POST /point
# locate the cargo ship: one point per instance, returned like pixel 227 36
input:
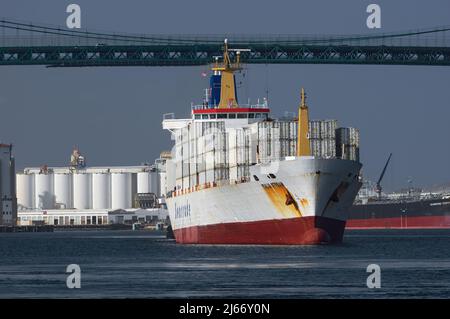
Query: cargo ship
pixel 410 208
pixel 406 211
pixel 238 176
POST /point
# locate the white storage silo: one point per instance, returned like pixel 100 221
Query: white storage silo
pixel 120 190
pixel 81 190
pixel 101 191
pixel 155 183
pixel 43 191
pixel 25 190
pixel 147 182
pixel 143 182
pixel 63 190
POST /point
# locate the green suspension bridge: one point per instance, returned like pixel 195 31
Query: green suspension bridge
pixel 24 43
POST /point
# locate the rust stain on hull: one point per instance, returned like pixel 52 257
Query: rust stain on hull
pixel 282 199
pixel 304 202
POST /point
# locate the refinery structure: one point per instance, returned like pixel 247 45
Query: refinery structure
pixel 8 205
pixel 78 194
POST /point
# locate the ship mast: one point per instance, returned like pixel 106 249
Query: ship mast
pixel 228 86
pixel 303 146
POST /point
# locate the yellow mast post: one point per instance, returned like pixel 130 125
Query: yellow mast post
pixel 303 146
pixel 227 86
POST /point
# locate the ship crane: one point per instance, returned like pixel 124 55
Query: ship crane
pixel 378 187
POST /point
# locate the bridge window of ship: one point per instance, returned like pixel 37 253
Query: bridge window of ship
pixel 232 116
pixel 242 115
pixel 222 116
pixel 212 116
pixel 204 116
pixel 258 115
pixel 251 116
pixel 197 116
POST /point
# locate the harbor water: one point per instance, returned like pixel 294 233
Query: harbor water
pixel 140 264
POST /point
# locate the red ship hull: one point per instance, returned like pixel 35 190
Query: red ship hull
pixel 292 231
pixel 417 213
pixel 400 222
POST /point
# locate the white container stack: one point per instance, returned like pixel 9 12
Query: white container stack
pixel 171 181
pixel 269 142
pixel 161 189
pixel 216 161
pixel 239 157
pixel 288 138
pixel 201 154
pixel 322 137
pixel 276 140
pixel 347 143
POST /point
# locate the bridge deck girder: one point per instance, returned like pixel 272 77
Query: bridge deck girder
pixel 188 55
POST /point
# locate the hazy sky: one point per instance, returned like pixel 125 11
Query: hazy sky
pixel 114 113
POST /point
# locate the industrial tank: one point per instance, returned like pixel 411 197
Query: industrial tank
pixel 81 191
pixel 143 182
pixel 147 182
pixel 120 190
pixel 63 190
pixel 101 191
pixel 25 190
pixel 44 195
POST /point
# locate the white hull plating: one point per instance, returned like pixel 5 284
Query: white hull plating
pixel 294 188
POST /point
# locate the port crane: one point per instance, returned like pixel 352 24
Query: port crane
pixel 378 187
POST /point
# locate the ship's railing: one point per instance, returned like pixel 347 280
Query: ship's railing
pixel 168 116
pixel 399 200
pixel 183 191
pixel 246 106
